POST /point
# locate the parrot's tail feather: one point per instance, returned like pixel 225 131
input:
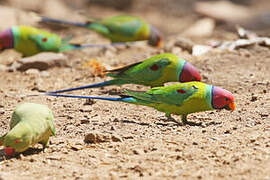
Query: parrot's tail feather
pixel 58 21
pixel 102 84
pixel 2 138
pixel 81 46
pixel 123 99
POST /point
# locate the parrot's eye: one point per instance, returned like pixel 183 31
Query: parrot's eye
pixel 17 141
pixel 226 99
pixel 195 87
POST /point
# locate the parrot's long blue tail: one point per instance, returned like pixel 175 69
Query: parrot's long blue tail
pixel 123 99
pixel 102 84
pixel 80 46
pixel 58 21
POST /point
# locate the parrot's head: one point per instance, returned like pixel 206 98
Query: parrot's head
pixel 222 99
pixel 155 38
pixel 6 39
pixel 15 143
pixel 189 73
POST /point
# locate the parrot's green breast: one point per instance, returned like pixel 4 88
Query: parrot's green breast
pixel 30 41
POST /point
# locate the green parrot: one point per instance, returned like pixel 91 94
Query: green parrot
pixel 30 41
pixel 30 124
pixel 180 99
pixel 121 28
pixel 154 71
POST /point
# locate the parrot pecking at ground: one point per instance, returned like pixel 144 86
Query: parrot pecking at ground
pixel 122 28
pixel 180 99
pixel 154 71
pixel 30 124
pixel 30 41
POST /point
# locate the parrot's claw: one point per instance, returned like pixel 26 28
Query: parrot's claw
pixel 170 118
pixel 192 123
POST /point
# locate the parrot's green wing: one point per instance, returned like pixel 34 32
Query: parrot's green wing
pixel 143 72
pixel 172 95
pixel 46 42
pixel 127 27
pixel 122 28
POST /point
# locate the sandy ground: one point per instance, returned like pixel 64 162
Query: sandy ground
pixel 227 146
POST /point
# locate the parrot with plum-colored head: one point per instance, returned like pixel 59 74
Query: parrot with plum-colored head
pixel 180 99
pixel 154 71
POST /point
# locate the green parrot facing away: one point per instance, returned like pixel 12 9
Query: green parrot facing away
pixel 30 124
pixel 121 28
pixel 30 41
pixel 180 99
pixel 154 71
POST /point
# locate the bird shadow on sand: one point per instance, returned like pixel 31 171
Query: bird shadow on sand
pixel 166 122
pixel 134 122
pixel 112 91
pixel 28 152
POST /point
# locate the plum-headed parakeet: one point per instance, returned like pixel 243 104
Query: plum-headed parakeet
pixel 180 99
pixel 30 41
pixel 30 124
pixel 154 71
pixel 121 28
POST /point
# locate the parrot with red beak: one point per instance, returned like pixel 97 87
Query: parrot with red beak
pixel 180 99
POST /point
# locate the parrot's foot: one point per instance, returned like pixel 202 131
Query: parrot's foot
pixel 170 118
pixel 185 121
pixel 44 142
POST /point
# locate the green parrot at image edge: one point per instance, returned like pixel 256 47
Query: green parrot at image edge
pixel 180 99
pixel 30 41
pixel 154 71
pixel 30 124
pixel 121 28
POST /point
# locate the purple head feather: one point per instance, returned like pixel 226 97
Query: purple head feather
pixel 6 39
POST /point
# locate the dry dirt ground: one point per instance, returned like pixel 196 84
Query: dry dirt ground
pixel 228 146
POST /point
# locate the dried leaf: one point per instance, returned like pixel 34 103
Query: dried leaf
pixel 98 67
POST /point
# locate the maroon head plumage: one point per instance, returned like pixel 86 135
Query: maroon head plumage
pixel 222 99
pixel 189 73
pixel 6 39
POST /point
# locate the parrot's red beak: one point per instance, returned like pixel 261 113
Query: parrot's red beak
pixel 9 151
